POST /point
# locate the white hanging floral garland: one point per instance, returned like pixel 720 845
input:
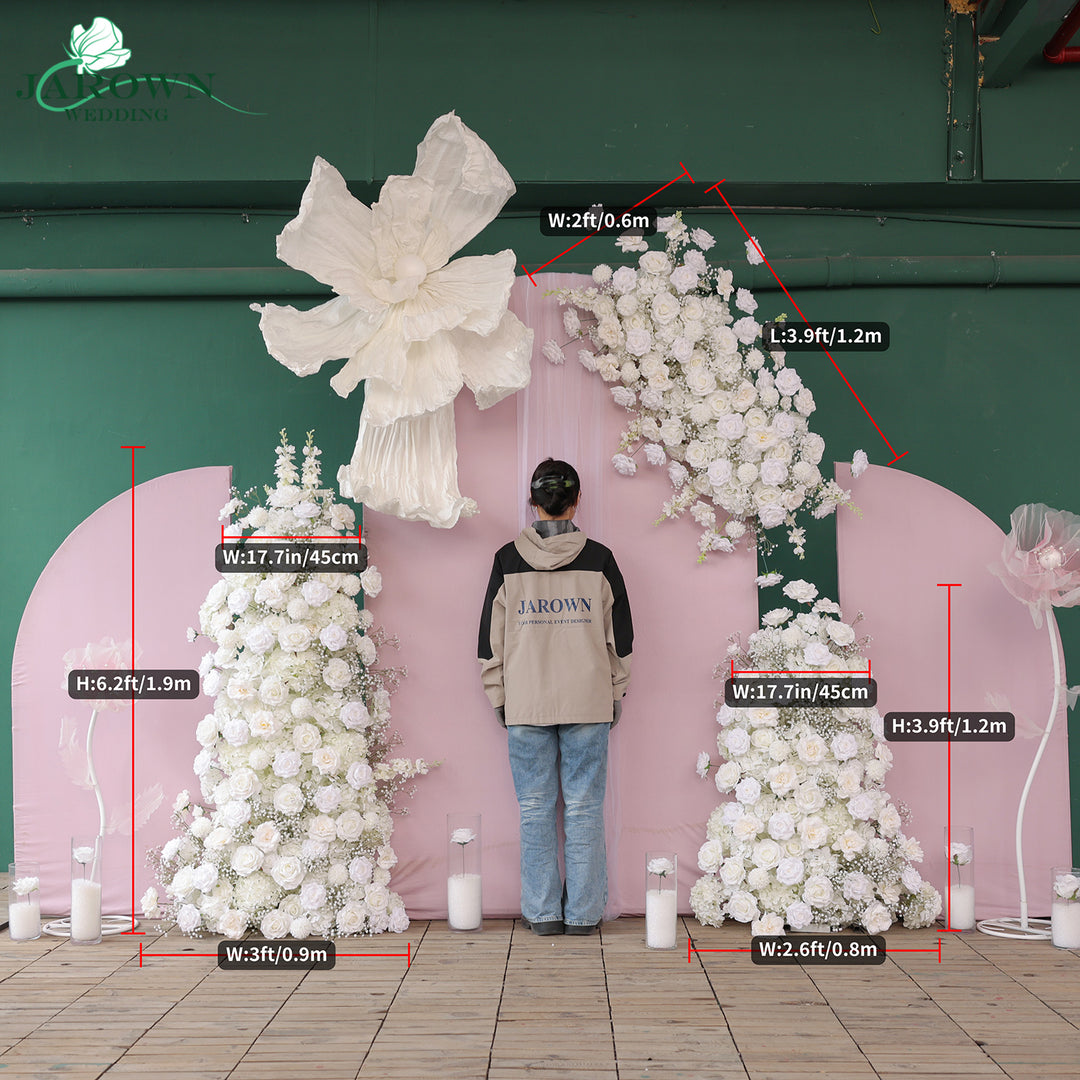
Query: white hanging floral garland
pixel 729 421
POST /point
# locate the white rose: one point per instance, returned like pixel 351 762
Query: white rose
pixel 288 799
pixel 312 895
pixel 876 919
pixel 746 827
pixel 218 839
pixel 799 915
pixel 844 745
pixel 328 799
pixel 811 749
pixel 818 891
pixel 360 869
pixel 232 924
pixel 327 760
pixel 243 783
pixel 743 907
pixel 358 775
pixel 727 776
pixel 350 825
pixel 321 829
pixel 273 691
pixel 288 872
pixel 295 637
pixel 762 738
pixel 246 859
pixel 188 918
pixel 275 924
pixel 710 856
pixel 790 871
pixel 782 778
pixel 337 674
pixel 235 813
pixel 333 637
pixel 767 854
pixel 262 724
pixel 814 832
pixel 889 821
pixel 315 592
pixel 748 791
pixel 351 918
pixel 809 798
pixel 266 836
pixel 286 763
pixel 371 582
pixel 863 806
pixel 306 738
pixel 781 825
pixel 737 741
pixel 239 600
pixel 857 886
pixel 788 382
pixel 207 730
pixel 762 716
pixel 849 843
pixel 849 778
pixel 840 632
pixel 732 872
pixel 354 715
pixel 200 827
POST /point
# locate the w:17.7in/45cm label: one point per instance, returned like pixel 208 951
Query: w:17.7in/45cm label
pixel 950 726
pixel 778 692
pixel 818 949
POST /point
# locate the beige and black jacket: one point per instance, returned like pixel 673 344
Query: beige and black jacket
pixel 556 633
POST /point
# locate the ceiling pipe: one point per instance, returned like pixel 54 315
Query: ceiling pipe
pixel 1058 50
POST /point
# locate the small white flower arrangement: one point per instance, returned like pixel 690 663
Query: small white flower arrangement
pixel 811 836
pixel 1067 887
pixel 729 421
pixel 24 886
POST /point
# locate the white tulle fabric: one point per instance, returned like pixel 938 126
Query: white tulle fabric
pixel 1040 558
pixel 412 325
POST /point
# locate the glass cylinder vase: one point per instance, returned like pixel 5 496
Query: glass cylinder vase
pixel 464 894
pixel 24 904
pixel 1065 907
pixel 85 890
pixel 661 899
pixel 959 896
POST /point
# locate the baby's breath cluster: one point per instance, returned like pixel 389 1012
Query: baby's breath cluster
pixel 811 836
pixel 292 835
pixel 728 420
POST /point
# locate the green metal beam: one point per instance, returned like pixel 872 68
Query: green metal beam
pixel 962 82
pixel 1022 40
pixel 831 271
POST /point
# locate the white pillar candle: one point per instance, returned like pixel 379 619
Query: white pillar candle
pixel 85 910
pixel 1065 925
pixel 961 909
pixel 24 919
pixel 463 901
pixel 661 918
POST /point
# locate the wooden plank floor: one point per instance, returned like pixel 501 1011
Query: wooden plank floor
pixel 504 1004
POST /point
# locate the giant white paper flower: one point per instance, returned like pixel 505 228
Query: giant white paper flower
pixel 414 326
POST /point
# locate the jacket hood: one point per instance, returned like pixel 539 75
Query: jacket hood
pixel 549 553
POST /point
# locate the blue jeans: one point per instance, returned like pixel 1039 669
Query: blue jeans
pixel 541 758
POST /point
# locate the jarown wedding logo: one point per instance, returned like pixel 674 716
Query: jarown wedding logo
pixel 99 50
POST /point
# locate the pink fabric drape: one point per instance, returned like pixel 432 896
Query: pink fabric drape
pixel 683 613
pixel 914 534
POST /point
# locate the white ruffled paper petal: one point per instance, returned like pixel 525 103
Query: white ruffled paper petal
pixel 471 292
pixel 304 340
pixel 401 223
pixel 408 469
pixel 469 185
pixel 498 365
pixel 383 357
pixel 330 238
pixel 432 379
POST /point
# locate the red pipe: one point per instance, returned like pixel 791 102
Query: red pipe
pixel 1057 50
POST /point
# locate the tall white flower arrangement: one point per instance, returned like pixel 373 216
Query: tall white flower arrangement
pixel 728 420
pixel 295 772
pixel 811 836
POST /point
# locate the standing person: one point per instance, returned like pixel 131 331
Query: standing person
pixel 555 643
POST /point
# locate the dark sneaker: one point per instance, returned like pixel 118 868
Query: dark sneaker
pixel 544 929
pixel 581 931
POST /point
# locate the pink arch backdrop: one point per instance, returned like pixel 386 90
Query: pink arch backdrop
pixel 434 586
pixel 912 535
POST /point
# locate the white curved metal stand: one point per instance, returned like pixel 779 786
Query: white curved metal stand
pixel 1021 926
pixel 110 924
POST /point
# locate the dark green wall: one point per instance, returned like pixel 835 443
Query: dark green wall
pixel 130 250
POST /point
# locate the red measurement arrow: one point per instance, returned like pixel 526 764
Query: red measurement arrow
pixel 685 172
pixel 896 456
